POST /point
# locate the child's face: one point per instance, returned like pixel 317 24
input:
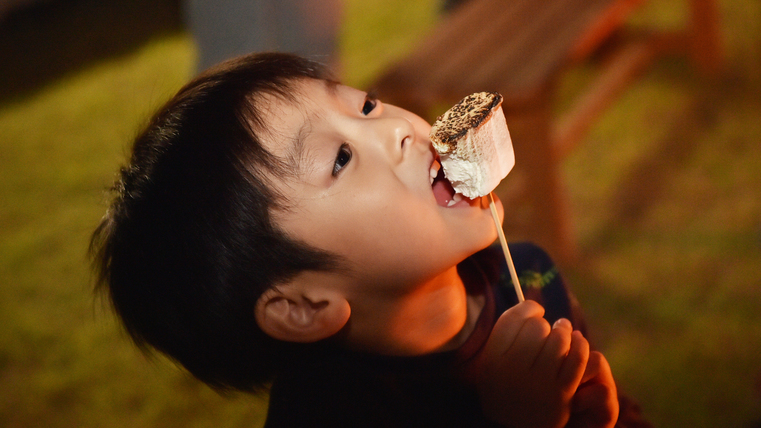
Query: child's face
pixel 363 189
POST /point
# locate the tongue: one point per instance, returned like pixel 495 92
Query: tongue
pixel 442 189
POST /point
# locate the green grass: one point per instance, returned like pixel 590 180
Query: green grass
pixel 666 194
pixel 64 361
pixel 666 197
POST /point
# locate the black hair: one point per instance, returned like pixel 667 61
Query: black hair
pixel 188 243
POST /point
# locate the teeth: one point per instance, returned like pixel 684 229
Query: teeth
pixel 455 199
pixel 435 167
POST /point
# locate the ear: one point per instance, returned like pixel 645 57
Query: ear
pixel 303 310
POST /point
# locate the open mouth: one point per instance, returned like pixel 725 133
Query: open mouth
pixel 442 189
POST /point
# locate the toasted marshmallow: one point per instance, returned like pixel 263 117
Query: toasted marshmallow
pixel 474 144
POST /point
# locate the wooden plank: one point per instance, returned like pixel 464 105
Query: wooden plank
pixel 480 37
pixel 488 44
pixel 530 61
pixel 510 52
pixel 606 23
pixel 704 31
pixel 501 31
pixel 626 64
pixel 439 50
pixel 419 78
pixel 451 30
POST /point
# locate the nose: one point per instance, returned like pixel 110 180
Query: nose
pixel 397 135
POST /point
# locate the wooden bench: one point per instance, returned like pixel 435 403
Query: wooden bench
pixel 521 48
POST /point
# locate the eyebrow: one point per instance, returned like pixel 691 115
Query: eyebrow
pixel 301 136
pixel 296 151
pixel 297 148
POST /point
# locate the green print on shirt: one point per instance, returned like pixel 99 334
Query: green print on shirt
pixel 532 279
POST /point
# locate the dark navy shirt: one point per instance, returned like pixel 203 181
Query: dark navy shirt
pixel 335 387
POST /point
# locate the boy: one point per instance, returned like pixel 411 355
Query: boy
pixel 276 228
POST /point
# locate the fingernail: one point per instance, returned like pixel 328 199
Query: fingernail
pixel 561 322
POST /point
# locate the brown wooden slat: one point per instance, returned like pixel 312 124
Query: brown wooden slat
pixel 626 64
pixel 449 49
pixel 448 32
pixel 706 38
pixel 491 36
pixel 605 24
pixel 529 62
pixel 513 46
pixel 488 44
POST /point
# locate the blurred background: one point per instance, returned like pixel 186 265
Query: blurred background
pixel 665 195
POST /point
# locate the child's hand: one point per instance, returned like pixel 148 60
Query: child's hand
pixel 528 371
pixel 595 404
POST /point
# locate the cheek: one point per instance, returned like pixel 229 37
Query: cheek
pixel 383 216
pixel 342 225
pixel 378 227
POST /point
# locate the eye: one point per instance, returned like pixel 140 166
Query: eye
pixel 369 105
pixel 342 159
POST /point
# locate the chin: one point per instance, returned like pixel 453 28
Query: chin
pixel 480 244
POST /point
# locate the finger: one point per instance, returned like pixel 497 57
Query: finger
pixel 605 373
pixel 601 370
pixel 556 347
pixel 591 396
pixel 611 397
pixel 573 367
pixel 529 342
pixel 593 366
pixel 510 323
pixel 598 404
pixel 596 400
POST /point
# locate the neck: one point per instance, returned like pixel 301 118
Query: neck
pixel 438 316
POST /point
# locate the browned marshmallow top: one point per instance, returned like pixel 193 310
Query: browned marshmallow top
pixel 468 114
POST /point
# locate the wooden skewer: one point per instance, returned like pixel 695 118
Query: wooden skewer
pixel 505 250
